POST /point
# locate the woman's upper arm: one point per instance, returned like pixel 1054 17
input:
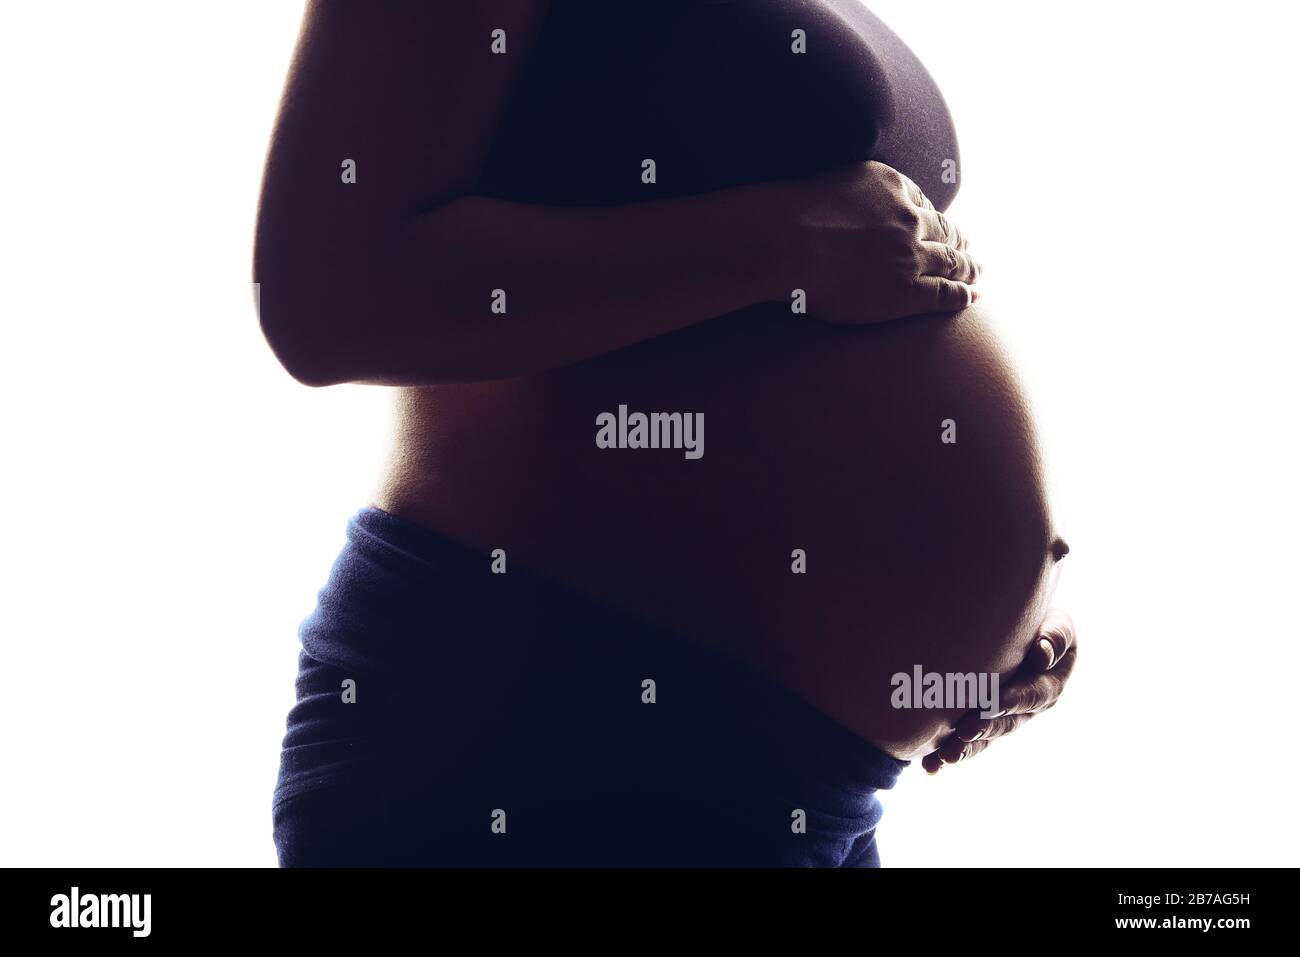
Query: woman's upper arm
pixel 389 109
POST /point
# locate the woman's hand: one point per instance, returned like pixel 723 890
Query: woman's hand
pixel 870 247
pixel 1033 689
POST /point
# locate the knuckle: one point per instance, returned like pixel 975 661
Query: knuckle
pixel 1046 692
pixel 1055 632
pixel 910 258
pixel 891 173
pixel 917 259
pixel 909 218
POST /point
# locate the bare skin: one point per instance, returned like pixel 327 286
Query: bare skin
pixel 1036 688
pixel 818 437
pixel 823 430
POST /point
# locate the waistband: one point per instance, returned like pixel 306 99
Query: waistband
pixel 409 605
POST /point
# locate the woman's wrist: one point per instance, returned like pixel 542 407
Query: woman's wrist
pixel 769 234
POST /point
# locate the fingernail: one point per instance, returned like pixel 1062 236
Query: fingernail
pixel 974 295
pixel 1051 652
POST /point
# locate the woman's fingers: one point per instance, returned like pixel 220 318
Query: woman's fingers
pixel 937 227
pixel 954 749
pixel 1046 669
pixel 974 728
pixel 940 259
pixel 1056 637
pixel 936 294
pixel 951 750
pixel 972 735
pixel 1039 692
pixel 1036 688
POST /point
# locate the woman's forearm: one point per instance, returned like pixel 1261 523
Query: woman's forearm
pixel 481 288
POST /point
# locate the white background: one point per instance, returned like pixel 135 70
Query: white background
pixel 173 500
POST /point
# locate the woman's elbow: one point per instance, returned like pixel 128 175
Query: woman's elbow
pixel 320 341
pixel 300 340
pixel 319 348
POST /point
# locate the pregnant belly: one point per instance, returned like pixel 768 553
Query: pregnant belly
pixel 860 502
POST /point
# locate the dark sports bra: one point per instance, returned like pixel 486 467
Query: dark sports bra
pixel 713 92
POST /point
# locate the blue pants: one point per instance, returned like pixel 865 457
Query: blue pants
pixel 449 716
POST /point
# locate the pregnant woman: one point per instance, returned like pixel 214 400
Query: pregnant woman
pixel 575 626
